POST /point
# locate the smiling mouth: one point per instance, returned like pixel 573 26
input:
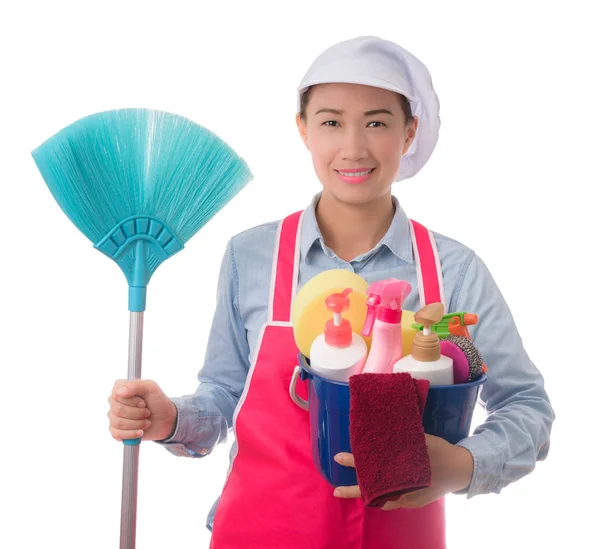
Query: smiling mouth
pixel 356 173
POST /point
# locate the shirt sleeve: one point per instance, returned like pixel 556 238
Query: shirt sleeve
pixel 516 433
pixel 205 417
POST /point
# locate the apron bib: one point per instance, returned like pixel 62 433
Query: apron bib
pixel 274 497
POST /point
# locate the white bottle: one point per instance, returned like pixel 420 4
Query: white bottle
pixel 426 361
pixel 338 353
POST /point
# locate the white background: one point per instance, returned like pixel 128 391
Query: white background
pixel 514 177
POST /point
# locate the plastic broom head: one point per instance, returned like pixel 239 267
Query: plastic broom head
pixel 139 183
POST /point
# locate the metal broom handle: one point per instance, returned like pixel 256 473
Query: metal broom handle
pixel 131 452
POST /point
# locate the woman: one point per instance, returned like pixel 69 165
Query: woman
pixel 368 114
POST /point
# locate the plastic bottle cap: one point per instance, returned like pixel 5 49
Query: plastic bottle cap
pixel 426 345
pixel 338 303
pixel 338 331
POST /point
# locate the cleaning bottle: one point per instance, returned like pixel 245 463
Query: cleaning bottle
pixel 426 360
pixel 384 316
pixel 338 353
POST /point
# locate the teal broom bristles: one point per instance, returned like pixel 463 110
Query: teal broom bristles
pixel 139 183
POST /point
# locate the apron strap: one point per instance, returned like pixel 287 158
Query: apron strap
pixel 284 274
pixel 429 270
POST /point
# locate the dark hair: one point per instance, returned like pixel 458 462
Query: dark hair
pixel 404 103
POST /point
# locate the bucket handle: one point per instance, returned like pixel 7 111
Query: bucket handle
pixel 299 401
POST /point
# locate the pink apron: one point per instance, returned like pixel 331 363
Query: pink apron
pixel 274 497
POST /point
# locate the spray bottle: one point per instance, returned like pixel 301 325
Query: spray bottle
pixel 338 353
pixel 384 316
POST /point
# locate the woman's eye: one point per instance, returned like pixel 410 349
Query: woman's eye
pixel 333 123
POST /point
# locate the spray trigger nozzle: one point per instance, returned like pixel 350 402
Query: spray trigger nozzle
pixel 385 295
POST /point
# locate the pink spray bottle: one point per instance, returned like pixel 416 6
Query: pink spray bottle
pixel 384 316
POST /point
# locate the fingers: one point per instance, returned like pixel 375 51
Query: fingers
pixel 345 492
pixel 121 423
pixel 128 414
pixel 124 389
pixel 122 428
pixel 126 392
pixel 413 500
pixel 345 459
pixel 403 503
pixel 128 411
pixel 136 402
pixel 391 505
pixel 119 434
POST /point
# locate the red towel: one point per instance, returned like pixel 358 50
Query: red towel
pixel 387 436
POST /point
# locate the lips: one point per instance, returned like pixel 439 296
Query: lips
pixel 355 175
pixel 355 171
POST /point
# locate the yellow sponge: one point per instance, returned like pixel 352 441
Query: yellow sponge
pixel 309 313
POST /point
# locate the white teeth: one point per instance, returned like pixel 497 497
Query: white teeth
pixel 355 174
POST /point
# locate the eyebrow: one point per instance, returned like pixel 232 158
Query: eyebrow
pixel 368 113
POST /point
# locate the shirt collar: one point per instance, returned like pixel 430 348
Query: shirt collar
pixel 397 238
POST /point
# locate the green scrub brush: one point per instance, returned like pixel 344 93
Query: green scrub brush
pixel 139 183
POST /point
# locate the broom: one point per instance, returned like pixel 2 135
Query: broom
pixel 139 183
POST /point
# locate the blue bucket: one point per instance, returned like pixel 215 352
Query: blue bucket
pixel 448 414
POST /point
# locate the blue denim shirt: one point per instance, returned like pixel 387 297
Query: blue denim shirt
pixel 519 415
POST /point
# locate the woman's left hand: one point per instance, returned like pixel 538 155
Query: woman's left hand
pixel 451 471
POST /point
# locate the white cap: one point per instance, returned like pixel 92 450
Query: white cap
pixel 372 61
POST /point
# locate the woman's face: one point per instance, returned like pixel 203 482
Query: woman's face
pixel 353 129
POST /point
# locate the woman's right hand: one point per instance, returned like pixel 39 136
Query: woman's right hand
pixel 139 408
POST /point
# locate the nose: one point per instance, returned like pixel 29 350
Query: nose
pixel 355 145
